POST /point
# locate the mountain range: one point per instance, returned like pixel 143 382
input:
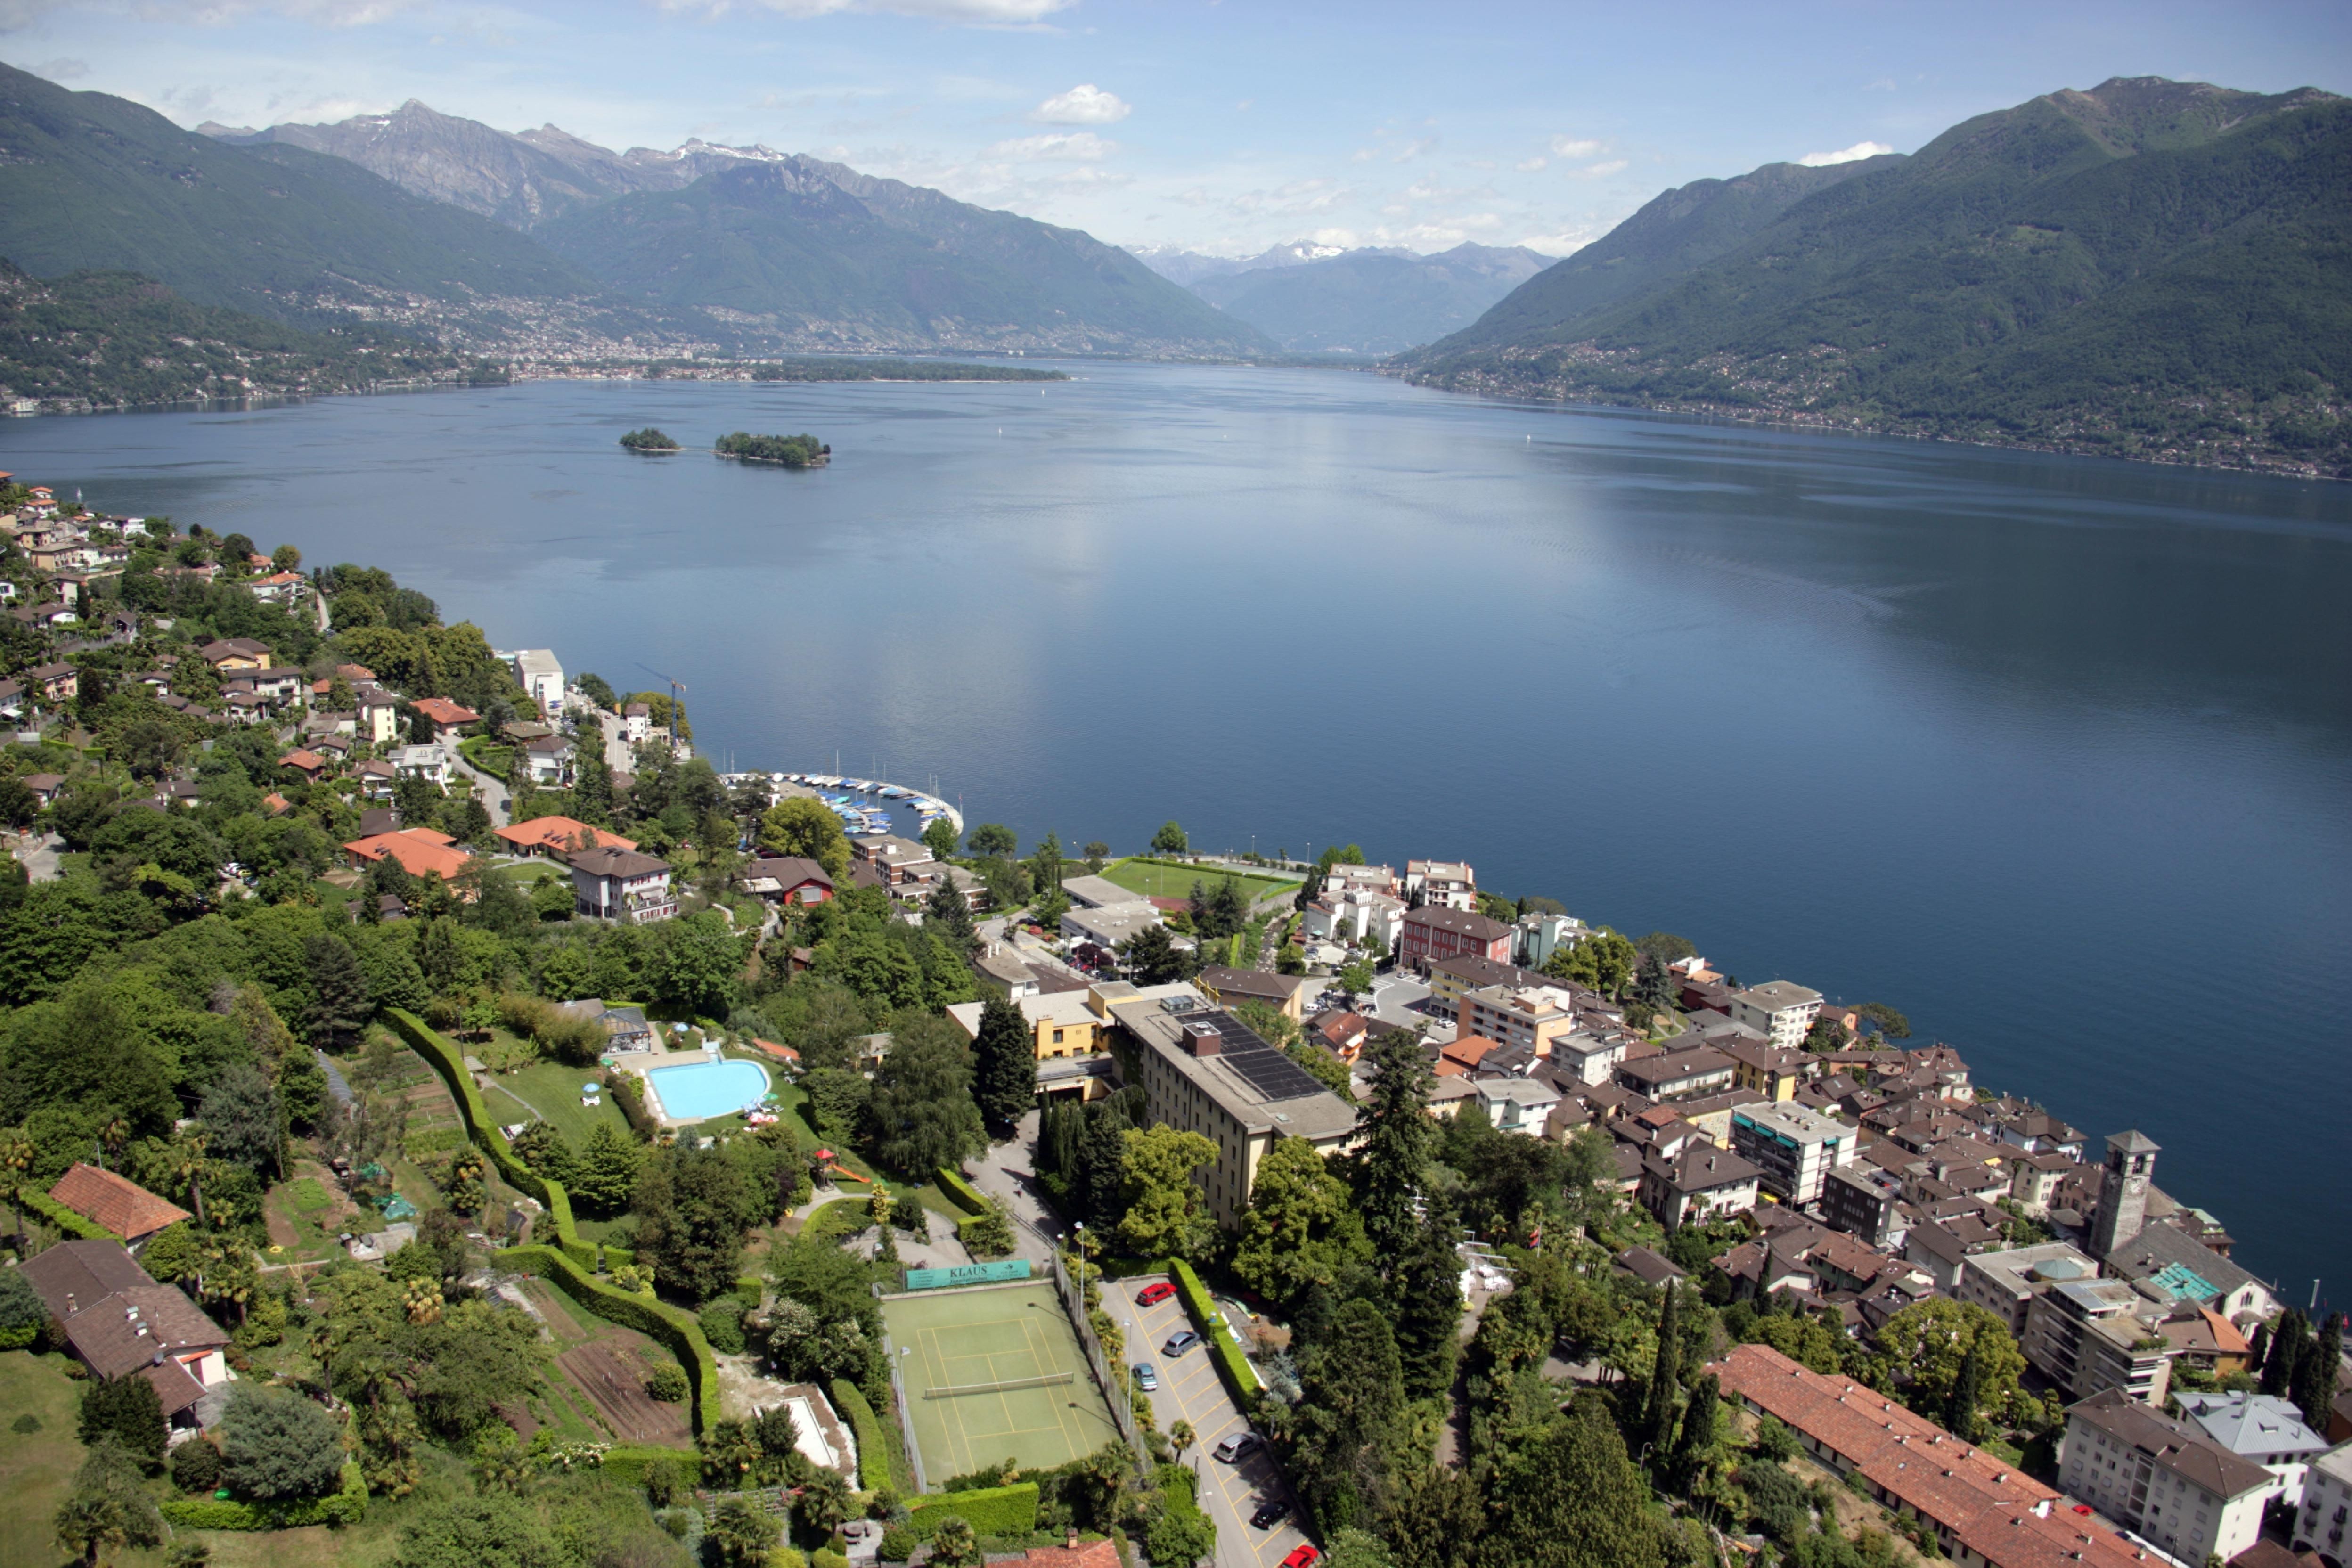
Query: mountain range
pixel 544 245
pixel 2149 268
pixel 1369 301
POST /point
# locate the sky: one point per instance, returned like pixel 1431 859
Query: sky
pixel 1222 126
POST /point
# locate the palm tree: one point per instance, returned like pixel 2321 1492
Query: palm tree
pixel 1181 1437
pixel 743 1535
pixel 112 1137
pixel 825 1501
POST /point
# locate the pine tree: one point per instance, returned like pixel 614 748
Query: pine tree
pixel 1427 1291
pixel 1697 1443
pixel 1004 1076
pixel 1397 1136
pixel 1101 1175
pixel 340 1008
pixel 592 785
pixel 1665 1375
pixel 946 913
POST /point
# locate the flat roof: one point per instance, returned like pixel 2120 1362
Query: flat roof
pixel 1267 1099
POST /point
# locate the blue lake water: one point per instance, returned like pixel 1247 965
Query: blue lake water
pixel 2053 754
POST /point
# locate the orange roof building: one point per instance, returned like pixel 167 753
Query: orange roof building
pixel 1982 1509
pixel 304 760
pixel 420 852
pixel 556 835
pixel 1462 1056
pixel 120 1204
pixel 443 713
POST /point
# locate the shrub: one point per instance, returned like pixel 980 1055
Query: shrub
pixel 960 1192
pixel 1775 1441
pixel 127 1409
pixel 276 1446
pixel 879 1463
pixel 993 1510
pixel 196 1466
pixel 346 1507
pixel 898 1544
pixel 722 1325
pixel 22 1315
pixel 824 1557
pixel 666 1382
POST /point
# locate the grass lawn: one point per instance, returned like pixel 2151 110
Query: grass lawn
pixel 35 1468
pixel 551 1090
pixel 1176 881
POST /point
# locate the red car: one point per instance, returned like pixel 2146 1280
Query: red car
pixel 1153 1295
pixel 1303 1556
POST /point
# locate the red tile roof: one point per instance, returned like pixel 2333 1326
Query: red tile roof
pixel 558 833
pixel 443 711
pixel 121 1205
pixel 420 851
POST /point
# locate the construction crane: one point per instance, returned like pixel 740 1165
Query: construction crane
pixel 677 693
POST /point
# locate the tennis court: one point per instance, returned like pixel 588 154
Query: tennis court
pixel 994 1372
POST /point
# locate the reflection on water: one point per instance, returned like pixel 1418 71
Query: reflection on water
pixel 2052 753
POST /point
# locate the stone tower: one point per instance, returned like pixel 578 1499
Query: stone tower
pixel 2122 1190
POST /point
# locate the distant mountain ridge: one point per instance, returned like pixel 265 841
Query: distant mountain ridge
pixel 1372 301
pixel 780 250
pixel 2150 268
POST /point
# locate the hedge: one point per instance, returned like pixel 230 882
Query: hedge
pixel 450 1063
pixel 676 1329
pixel 628 1465
pixel 1240 1377
pixel 960 1192
pixel 64 1218
pixel 880 1463
pixel 991 1510
pixel 348 1506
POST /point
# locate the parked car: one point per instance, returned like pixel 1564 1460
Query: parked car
pixel 1153 1294
pixel 1237 1446
pixel 1147 1377
pixel 1304 1555
pixel 1270 1513
pixel 1178 1343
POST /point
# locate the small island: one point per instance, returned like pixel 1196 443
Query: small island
pixel 803 451
pixel 648 440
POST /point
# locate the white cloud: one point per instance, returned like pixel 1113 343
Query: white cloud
pixel 1574 147
pixel 1599 171
pixel 1085 104
pixel 1345 239
pixel 1566 244
pixel 1415 149
pixel 1076 146
pixel 1530 165
pixel 979 12
pixel 1860 150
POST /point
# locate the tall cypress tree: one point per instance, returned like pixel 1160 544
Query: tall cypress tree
pixel 1665 1375
pixel 1426 1291
pixel 1101 1175
pixel 340 1008
pixel 1004 1076
pixel 1697 1442
pixel 2289 1343
pixel 2314 1388
pixel 1397 1139
pixel 1968 1393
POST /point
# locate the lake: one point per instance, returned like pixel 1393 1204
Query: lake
pixel 2054 755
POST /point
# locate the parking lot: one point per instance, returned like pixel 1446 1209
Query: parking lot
pixel 1189 1391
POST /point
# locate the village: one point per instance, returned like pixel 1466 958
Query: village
pixel 457 1108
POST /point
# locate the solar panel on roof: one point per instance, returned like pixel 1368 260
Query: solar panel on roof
pixel 1263 1067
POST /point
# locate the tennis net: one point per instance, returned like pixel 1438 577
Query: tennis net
pixel 948 1391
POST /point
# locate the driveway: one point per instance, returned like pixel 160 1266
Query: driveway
pixel 1191 1391
pixel 38 851
pixel 495 797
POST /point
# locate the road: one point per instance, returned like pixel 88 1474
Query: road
pixel 495 797
pixel 1189 1390
pixel 38 851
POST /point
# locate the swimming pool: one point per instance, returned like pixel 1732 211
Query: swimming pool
pixel 699 1090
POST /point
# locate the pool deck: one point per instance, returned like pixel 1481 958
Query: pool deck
pixel 653 1062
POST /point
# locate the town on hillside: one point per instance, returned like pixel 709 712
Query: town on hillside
pixel 441 1108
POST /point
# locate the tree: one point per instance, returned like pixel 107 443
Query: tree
pixel 1301 1228
pixel 1352 1396
pixel 108 1508
pixel 1660 1400
pixel 242 1122
pixel 1602 962
pixel 804 827
pixel 1098 1181
pixel 993 839
pixel 1166 1213
pixel 940 837
pixel 696 964
pixel 476 1532
pixel 2312 1388
pixel 1169 840
pixel 1005 1055
pixel 948 915
pixel 127 1410
pixel 921 1110
pixel 1926 1343
pixel 1097 853
pixel 1965 1415
pixel 1150 957
pixel 691 1206
pixel 606 1173
pixel 1891 1024
pixel 599 691
pixel 1180 1534
pixel 954 1543
pixel 1391 1160
pixel 276 1444
pixel 1696 1446
pixel 1426 1291
pixel 741 1535
pixel 1355 1549
pixel 1577 1500
pixel 340 1008
pixel 1665 947
pixel 286 558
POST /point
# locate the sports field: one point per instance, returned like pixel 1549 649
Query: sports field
pixel 989 1335
pixel 1176 881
